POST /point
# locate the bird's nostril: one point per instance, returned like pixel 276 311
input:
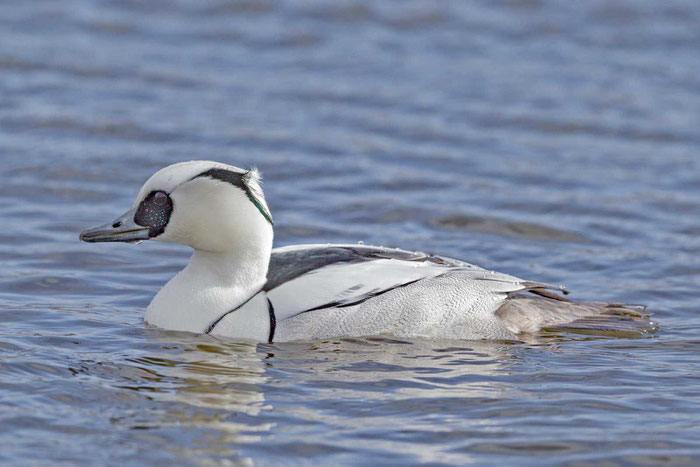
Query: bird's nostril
pixel 117 224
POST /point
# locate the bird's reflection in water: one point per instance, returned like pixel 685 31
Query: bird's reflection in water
pixel 191 395
pixel 226 395
pixel 384 383
pixel 378 364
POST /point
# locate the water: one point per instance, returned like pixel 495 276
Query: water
pixel 556 141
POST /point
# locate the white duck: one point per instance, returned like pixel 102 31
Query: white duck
pixel 236 285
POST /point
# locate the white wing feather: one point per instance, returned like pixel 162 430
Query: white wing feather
pixel 343 284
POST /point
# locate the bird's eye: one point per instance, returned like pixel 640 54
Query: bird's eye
pixel 154 212
pixel 160 198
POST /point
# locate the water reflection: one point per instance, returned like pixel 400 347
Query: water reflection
pixel 197 384
pixel 209 374
pixel 392 390
pixel 379 364
pixel 229 394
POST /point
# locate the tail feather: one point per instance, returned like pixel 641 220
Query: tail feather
pixel 524 313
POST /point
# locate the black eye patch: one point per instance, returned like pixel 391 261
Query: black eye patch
pixel 154 212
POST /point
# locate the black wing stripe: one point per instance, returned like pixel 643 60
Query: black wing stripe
pixel 364 298
pixel 288 265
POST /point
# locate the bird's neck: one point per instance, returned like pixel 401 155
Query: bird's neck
pixel 240 270
pixel 211 284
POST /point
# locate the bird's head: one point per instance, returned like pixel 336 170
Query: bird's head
pixel 207 205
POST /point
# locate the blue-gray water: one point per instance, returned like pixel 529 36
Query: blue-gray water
pixel 557 141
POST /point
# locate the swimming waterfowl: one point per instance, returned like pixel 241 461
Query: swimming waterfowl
pixel 237 285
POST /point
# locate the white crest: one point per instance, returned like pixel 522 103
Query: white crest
pixel 170 177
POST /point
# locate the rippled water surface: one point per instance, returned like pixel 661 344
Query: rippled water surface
pixel 557 141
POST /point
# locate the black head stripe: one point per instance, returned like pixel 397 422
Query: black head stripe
pixel 154 213
pixel 239 180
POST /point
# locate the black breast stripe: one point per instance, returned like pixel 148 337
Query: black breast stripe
pixel 211 327
pixel 273 320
